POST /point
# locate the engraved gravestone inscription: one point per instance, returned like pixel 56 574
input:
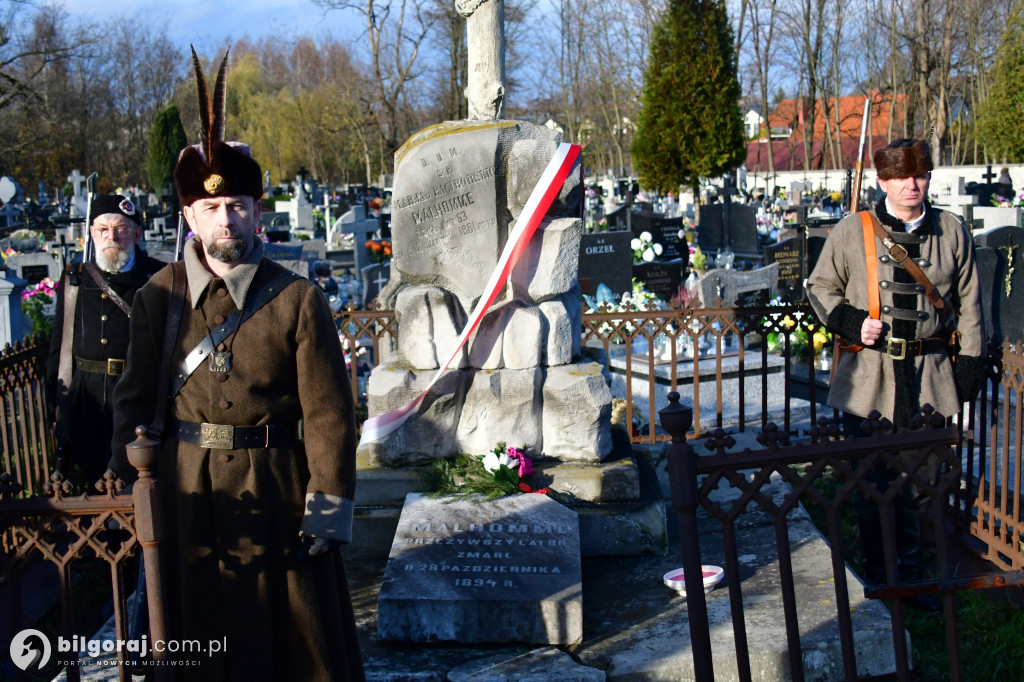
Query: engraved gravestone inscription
pixel 448 218
pixel 471 570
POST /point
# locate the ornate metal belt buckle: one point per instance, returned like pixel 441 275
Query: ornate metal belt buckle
pixel 894 344
pixel 115 367
pixel 216 436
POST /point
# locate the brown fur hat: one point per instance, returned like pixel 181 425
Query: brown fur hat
pixel 904 158
pixel 214 167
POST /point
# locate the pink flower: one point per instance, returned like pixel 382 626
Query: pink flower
pixel 525 465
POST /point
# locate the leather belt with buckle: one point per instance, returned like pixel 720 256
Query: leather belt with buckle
pixel 901 349
pixel 228 437
pixel 112 366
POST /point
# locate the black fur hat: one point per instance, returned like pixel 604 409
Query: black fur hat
pixel 214 167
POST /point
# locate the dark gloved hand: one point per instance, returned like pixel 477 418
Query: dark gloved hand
pixel 969 375
pixel 312 547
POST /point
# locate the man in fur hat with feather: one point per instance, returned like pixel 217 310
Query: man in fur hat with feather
pixel 255 511
pixel 927 297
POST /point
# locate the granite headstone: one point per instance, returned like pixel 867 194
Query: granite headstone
pixel 789 255
pixel 605 258
pixel 1001 272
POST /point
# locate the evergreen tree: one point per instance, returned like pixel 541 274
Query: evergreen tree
pixel 999 121
pixel 690 126
pixel 166 140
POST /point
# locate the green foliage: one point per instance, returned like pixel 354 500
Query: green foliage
pixel 690 126
pixel 166 140
pixel 465 475
pixel 999 128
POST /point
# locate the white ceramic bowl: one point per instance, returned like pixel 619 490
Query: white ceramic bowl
pixel 712 576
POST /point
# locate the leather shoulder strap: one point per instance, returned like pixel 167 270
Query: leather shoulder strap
pixel 871 258
pixel 65 365
pixel 174 311
pixel 900 255
pixel 90 268
pixel 254 301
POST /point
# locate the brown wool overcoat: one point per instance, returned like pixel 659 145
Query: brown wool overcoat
pixel 233 517
pixel 866 380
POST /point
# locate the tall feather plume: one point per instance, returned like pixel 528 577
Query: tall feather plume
pixel 205 109
pixel 219 101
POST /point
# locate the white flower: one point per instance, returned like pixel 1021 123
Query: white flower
pixel 635 244
pixel 682 235
pixel 646 236
pixel 493 462
pixel 658 249
pixel 649 254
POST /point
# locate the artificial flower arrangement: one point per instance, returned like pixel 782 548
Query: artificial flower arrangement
pixel 33 301
pixel 645 249
pixel 498 473
pixel 801 336
pixel 1008 202
pixel 698 261
pixel 596 225
pixel 380 250
pixel 638 299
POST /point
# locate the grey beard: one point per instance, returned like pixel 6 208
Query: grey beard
pixel 115 264
pixel 227 252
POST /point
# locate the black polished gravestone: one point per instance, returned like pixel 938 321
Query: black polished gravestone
pixel 985 191
pixel 606 258
pixel 1001 270
pixel 814 242
pixel 474 571
pixel 664 231
pixel 740 238
pixel 789 254
pixel 661 278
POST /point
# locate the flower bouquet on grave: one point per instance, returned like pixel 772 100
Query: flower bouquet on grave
pixel 1008 202
pixel 645 249
pixel 498 473
pixel 38 304
pixel 379 250
pixel 596 226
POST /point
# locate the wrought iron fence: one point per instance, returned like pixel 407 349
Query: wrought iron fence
pixel 26 437
pixel 746 370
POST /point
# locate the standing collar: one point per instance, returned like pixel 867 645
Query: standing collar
pixel 237 280
pixel 913 224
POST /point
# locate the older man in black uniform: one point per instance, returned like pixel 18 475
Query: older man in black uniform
pixel 95 346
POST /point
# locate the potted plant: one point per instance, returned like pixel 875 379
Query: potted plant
pixel 38 305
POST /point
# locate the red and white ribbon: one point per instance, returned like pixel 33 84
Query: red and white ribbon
pixel 548 187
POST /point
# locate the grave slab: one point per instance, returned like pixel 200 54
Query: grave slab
pixel 473 571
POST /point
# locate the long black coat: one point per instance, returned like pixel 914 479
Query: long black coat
pixel 101 332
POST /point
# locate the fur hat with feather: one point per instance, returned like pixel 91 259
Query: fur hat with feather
pixel 215 167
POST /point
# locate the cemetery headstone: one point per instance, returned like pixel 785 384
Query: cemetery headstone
pixel 988 218
pixel 814 242
pixel 34 267
pixel 726 286
pixel 360 226
pixel 375 276
pixel 1001 270
pixel 789 256
pixel 661 278
pixel 605 258
pixel 476 571
pixel 741 238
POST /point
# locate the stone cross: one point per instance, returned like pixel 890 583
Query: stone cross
pixel 9 212
pixel 77 179
pixel 485 30
pixel 988 176
pixel 355 222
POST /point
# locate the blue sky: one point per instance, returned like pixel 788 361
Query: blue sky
pixel 207 24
